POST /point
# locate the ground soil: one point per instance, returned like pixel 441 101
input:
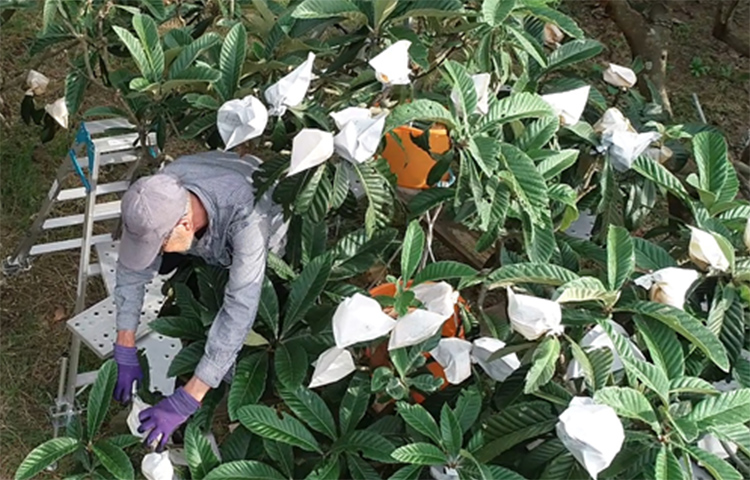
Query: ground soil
pixel 35 304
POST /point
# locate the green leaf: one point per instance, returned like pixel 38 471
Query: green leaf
pixel 444 270
pixel 691 385
pixel 667 466
pixel 248 383
pixel 538 133
pixel 556 163
pixel 49 13
pixel 372 445
pixel 628 403
pixel 245 470
pixel 528 45
pixel 45 455
pixel 450 430
pixel 315 9
pixel 468 407
pixel 542 364
pixel 464 85
pixel 543 273
pixel 305 290
pixel 573 52
pixel 658 174
pixel 231 61
pixel 429 199
pixel 75 89
pixel 650 256
pixel 420 420
pixel 413 249
pixel 152 49
pixel 282 455
pixel 485 151
pixel 265 421
pixel 601 362
pixel 190 53
pixel 649 375
pixel 187 328
pixel 200 457
pixel 409 472
pixel 737 434
pixel 235 445
pixel 268 307
pixel 620 257
pixel 100 397
pixel 686 325
pixel 114 459
pixel 325 469
pixel 420 454
pixel 360 470
pixel 355 403
pixel 136 50
pixel 516 106
pixel 514 425
pixel 382 10
pixel 532 189
pixel 663 345
pixel 583 360
pixel 421 110
pixel 124 440
pixel 290 363
pixel 566 24
pixel 710 151
pixel 311 409
pixel 717 467
pixel 378 197
pixel 340 186
pixel 586 289
pixel 187 359
pixel 728 408
pixel 494 12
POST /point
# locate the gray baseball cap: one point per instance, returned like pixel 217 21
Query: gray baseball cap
pixel 151 209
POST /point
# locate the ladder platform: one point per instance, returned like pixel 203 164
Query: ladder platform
pixel 96 327
pixel 106 254
pixel 102 189
pixel 63 245
pixel 102 211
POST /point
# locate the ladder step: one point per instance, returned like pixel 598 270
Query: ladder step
pixel 102 211
pixel 119 142
pixel 71 244
pixel 97 127
pixel 94 270
pixel 102 189
pixel 112 158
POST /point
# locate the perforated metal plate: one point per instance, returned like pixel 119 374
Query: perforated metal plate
pixel 96 325
pixel 160 351
pixel 106 254
pixel 583 226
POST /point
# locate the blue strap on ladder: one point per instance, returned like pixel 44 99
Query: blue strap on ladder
pixel 83 137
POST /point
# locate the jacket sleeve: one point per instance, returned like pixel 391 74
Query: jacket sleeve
pixel 241 298
pixel 130 288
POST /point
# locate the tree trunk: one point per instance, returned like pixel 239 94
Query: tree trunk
pixel 647 36
pixel 721 28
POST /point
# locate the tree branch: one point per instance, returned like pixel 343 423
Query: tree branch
pixel 644 41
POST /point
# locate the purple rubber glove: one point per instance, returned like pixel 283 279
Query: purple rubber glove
pixel 164 417
pixel 128 372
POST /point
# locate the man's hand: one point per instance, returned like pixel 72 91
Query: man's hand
pixel 162 419
pixel 128 372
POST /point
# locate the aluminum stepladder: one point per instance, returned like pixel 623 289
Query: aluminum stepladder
pixel 95 326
